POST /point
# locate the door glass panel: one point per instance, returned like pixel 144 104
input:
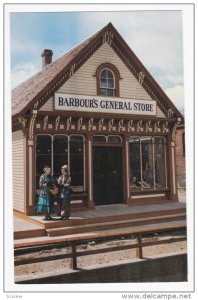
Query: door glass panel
pixel 114 139
pixel 99 139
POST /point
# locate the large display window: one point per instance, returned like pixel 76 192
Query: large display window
pixel 147 162
pixel 58 150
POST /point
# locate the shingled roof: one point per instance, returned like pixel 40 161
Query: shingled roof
pixel 28 92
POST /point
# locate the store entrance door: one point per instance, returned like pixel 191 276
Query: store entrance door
pixel 107 175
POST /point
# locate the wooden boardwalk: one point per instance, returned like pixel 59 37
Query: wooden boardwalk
pixel 25 227
pixel 119 209
pixel 102 218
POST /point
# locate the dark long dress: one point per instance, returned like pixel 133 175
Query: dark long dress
pixel 44 204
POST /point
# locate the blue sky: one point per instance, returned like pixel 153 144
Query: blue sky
pixel 154 36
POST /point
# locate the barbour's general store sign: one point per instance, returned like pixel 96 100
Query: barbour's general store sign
pixel 71 102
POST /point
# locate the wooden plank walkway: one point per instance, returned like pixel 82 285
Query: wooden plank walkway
pixel 107 215
pixel 24 228
pixel 119 209
pixel 46 240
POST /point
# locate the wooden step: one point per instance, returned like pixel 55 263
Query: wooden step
pixel 29 233
pixel 46 240
pixel 93 220
pixel 113 225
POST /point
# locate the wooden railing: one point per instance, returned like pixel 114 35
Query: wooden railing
pixel 74 239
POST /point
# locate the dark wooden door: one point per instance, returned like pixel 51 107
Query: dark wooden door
pixel 107 175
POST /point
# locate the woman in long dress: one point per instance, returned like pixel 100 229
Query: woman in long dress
pixel 44 204
pixel 64 185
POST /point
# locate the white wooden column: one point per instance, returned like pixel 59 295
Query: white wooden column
pixel 30 173
pixel 173 168
pixel 90 172
pixel 173 183
pixel 30 157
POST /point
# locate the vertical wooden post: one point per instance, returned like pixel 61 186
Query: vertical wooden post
pixel 139 252
pixel 91 204
pixel 173 195
pixel 73 259
pixel 126 164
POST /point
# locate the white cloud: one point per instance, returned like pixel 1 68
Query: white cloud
pixel 154 36
pixel 156 39
pixel 22 73
pixel 176 94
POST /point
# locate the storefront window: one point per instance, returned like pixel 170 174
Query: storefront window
pixel 147 163
pixel 43 154
pixel 160 162
pixel 59 150
pixel 77 160
pixel 135 162
pixel 60 153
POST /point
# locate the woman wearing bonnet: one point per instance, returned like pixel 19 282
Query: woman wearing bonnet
pixel 64 185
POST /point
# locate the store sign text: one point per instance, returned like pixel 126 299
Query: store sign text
pixel 70 102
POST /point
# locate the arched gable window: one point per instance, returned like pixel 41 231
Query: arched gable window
pixel 108 78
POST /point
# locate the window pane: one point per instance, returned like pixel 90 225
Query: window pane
pixel 110 83
pixel 77 160
pixel 159 156
pixel 103 73
pixel 43 144
pixel 76 138
pixel 60 153
pixel 43 155
pixel 135 165
pixel 107 83
pixel 109 92
pixel 147 162
pixel 59 161
pixel 109 74
pixel 103 92
pixel 134 139
pixel 103 83
pixel 60 144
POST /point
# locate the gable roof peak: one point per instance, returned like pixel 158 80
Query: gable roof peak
pixel 34 91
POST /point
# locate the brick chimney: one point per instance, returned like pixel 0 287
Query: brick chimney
pixel 46 57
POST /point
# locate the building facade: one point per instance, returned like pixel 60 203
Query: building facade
pixel 98 110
